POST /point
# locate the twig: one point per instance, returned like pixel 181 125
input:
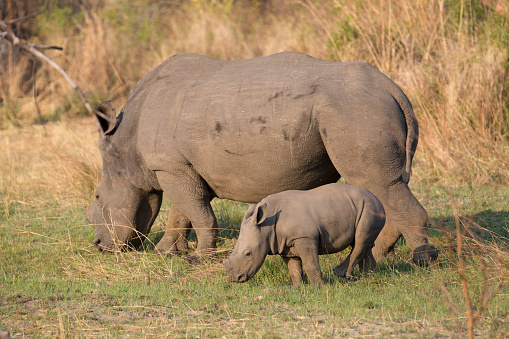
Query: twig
pixel 9 36
pixel 41 120
pixel 486 296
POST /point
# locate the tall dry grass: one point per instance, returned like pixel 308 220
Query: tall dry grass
pixel 449 56
pixel 471 258
pixel 61 160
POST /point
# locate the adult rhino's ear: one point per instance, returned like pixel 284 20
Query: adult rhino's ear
pixel 106 118
pixel 261 213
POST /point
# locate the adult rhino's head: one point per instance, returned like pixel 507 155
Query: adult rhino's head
pixel 125 206
pixel 252 246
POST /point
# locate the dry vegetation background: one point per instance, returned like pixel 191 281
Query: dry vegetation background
pixel 451 57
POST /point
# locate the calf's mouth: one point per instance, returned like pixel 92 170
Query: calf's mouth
pixel 235 275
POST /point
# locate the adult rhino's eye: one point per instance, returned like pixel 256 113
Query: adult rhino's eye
pixel 248 254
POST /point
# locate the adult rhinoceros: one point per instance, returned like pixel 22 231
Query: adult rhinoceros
pixel 198 128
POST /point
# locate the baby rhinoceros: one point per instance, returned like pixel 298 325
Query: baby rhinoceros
pixel 300 225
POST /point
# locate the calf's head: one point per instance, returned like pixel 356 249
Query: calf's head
pixel 252 245
pixel 124 210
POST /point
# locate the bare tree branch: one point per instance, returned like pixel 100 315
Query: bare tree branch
pixel 26 17
pixel 33 49
pixel 18 42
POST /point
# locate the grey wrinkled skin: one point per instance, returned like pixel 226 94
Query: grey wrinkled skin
pixel 301 225
pixel 198 128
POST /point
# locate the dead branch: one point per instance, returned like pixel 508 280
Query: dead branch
pixel 26 17
pixel 33 49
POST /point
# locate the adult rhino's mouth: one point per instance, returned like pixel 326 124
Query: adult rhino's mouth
pixel 104 246
pixel 242 278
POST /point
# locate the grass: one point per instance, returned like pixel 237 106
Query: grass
pixel 54 283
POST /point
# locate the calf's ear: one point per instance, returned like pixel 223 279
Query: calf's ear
pixel 106 118
pixel 249 212
pixel 261 213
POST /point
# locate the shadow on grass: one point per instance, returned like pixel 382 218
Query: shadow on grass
pixel 487 225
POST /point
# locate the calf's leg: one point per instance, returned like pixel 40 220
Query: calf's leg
pixel 307 250
pixel 368 264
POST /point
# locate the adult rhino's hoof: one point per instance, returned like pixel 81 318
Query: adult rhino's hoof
pixel 168 252
pixel 424 255
pixel 388 255
pixel 339 272
pixel 199 257
pixel 170 247
pixel 341 269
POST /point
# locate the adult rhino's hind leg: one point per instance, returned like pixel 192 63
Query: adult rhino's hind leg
pixel 373 156
pixel 174 240
pixel 405 216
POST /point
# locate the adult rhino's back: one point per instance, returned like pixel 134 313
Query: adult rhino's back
pixel 252 127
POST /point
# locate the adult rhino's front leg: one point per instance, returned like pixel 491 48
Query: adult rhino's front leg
pixel 174 240
pixel 190 196
pixel 294 265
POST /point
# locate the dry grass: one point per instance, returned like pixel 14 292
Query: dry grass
pixel 60 159
pixel 449 57
pixel 474 259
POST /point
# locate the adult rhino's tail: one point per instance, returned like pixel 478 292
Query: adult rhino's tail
pixel 412 136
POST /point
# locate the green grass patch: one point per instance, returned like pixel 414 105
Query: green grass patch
pixel 53 282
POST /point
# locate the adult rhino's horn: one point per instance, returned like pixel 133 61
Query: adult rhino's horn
pixel 107 117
